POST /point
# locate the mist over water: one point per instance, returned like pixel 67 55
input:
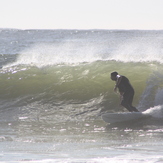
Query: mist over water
pixel 52 47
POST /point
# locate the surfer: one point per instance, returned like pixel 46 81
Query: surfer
pixel 125 89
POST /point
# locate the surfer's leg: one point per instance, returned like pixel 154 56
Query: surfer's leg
pixel 125 102
pixel 134 109
pixel 130 99
pixel 126 106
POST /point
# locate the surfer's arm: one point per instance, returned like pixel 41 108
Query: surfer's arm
pixel 119 78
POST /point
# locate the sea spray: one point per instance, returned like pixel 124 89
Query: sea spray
pixel 155 112
pixel 153 91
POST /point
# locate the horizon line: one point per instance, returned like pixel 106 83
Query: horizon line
pixel 133 29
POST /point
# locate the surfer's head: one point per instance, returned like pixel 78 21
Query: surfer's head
pixel 113 75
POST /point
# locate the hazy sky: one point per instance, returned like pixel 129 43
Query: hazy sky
pixel 81 14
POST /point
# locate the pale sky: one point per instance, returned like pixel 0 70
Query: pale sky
pixel 81 14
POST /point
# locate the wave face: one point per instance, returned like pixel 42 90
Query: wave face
pixel 67 72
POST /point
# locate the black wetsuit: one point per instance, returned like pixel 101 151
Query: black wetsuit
pixel 128 93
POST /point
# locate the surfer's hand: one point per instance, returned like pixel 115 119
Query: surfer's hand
pixel 115 89
pixel 121 93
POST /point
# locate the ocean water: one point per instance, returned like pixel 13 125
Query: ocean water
pixel 55 85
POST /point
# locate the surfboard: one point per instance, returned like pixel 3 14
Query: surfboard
pixel 123 117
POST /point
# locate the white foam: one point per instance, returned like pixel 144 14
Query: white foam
pixel 89 50
pixel 138 50
pixel 51 54
pixel 156 112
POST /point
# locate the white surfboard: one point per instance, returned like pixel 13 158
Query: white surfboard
pixel 122 117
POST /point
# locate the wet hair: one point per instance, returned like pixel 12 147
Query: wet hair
pixel 114 73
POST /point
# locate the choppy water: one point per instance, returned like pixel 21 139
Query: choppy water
pixel 55 84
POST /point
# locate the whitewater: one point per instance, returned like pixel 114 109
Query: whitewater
pixel 55 85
